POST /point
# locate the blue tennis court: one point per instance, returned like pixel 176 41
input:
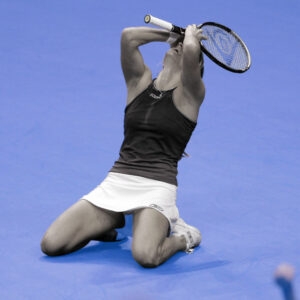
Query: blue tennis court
pixel 62 97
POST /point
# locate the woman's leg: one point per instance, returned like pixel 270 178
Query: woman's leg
pixel 151 245
pixel 78 225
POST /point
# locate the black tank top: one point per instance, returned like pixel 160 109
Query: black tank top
pixel 155 136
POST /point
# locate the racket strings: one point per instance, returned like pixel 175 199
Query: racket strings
pixel 225 47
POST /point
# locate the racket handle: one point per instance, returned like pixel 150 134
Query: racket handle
pixel 163 24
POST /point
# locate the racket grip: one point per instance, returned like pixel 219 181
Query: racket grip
pixel 163 24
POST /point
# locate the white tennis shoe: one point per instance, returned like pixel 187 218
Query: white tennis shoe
pixel 192 234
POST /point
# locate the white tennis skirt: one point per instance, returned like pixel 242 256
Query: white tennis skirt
pixel 126 193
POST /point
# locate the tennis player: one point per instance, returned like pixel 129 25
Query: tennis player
pixel 160 117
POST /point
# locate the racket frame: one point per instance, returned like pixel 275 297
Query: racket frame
pixel 237 37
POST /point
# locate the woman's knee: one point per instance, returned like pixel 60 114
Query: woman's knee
pixel 49 246
pixel 147 257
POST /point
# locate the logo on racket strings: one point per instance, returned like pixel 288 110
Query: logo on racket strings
pixel 222 45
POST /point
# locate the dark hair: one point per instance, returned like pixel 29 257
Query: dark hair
pixel 201 60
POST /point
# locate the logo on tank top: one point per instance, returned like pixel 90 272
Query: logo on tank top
pixel 154 96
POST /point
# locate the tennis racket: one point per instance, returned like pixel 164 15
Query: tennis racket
pixel 223 46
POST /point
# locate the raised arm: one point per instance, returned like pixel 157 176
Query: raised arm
pixel 191 69
pixel 137 75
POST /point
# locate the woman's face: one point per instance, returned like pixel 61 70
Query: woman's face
pixel 174 54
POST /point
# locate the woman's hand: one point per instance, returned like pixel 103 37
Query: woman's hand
pixel 192 31
pixel 174 39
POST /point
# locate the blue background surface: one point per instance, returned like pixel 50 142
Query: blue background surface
pixel 62 98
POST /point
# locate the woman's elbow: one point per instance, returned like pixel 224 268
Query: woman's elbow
pixel 127 33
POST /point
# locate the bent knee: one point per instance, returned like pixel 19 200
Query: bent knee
pixel 50 247
pixel 146 257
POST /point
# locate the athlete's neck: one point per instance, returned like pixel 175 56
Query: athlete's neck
pixel 166 80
